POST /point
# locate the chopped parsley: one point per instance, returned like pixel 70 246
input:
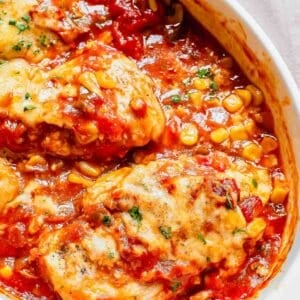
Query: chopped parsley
pixel 228 203
pixel 19 25
pixel 29 107
pixel 166 232
pixel 238 230
pixel 106 220
pixel 26 18
pixel 201 238
pixel 18 47
pixel 43 40
pixel 135 214
pixel 175 285
pixel 111 254
pixel 205 73
pixel 213 86
pixel 254 183
pixel 175 99
pixel 27 96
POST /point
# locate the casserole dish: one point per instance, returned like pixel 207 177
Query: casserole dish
pixel 158 178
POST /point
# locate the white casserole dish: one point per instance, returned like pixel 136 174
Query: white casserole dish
pixel 240 35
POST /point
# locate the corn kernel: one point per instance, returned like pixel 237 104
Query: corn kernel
pixel 196 99
pixel 250 126
pixel 201 83
pixel 257 95
pixel 153 5
pixel 212 102
pixel 238 132
pixel 88 169
pixel 269 144
pixel 189 135
pixel 233 103
pixel 89 81
pixel 245 95
pixel 269 161
pixel 105 81
pixel 279 194
pixel 256 227
pixel 6 272
pixel 252 152
pixel 105 37
pixel 234 219
pixel 75 178
pixel 219 135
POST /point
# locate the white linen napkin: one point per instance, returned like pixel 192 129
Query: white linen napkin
pixel 280 19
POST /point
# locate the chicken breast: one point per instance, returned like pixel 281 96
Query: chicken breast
pixel 97 104
pixel 21 36
pixel 151 230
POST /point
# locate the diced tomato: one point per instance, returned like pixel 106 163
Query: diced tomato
pixel 251 207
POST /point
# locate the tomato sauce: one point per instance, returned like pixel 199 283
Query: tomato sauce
pixel 172 55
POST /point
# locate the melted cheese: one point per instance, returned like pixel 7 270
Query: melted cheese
pixel 20 36
pixel 178 220
pixel 35 96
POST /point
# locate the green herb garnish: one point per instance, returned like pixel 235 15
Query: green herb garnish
pixel 175 285
pixel 26 18
pixel 166 232
pixel 228 204
pixel 254 183
pixel 238 230
pixel 205 73
pixel 29 107
pixel 135 214
pixel 213 86
pixel 201 238
pixel 175 99
pixel 106 220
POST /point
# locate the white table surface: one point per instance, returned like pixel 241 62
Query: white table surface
pixel 280 19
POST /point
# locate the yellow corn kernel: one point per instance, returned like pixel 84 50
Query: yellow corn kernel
pixel 105 81
pixel 257 95
pixel 269 144
pixel 89 81
pixel 252 152
pixel 234 219
pixel 6 272
pixel 88 169
pixel 201 83
pixel 196 98
pixel 256 227
pixel 233 103
pixel 189 135
pixel 238 132
pixel 69 90
pixel 213 102
pixel 105 37
pixel 152 5
pixel 250 126
pixel 75 178
pixel 269 161
pixel 279 194
pixel 245 95
pixel 219 135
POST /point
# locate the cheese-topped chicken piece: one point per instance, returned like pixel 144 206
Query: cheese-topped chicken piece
pixel 151 230
pixel 98 104
pixel 21 36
